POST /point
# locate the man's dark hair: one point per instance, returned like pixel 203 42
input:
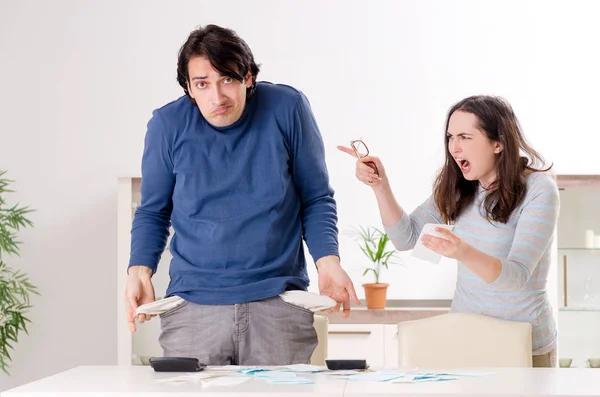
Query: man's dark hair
pixel 226 51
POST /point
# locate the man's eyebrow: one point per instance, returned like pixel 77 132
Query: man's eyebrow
pixel 199 77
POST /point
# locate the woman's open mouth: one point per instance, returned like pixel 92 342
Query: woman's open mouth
pixel 464 165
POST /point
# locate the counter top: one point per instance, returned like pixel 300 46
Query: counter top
pixel 579 309
pixel 393 315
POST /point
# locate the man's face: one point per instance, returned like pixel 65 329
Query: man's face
pixel 221 99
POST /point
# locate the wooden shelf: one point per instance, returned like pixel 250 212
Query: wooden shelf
pixel 578 181
pixel 578 249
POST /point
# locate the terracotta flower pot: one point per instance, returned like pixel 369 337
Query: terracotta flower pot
pixel 376 295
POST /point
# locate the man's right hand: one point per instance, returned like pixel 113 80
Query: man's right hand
pixel 139 291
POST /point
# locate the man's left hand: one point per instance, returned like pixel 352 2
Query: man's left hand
pixel 335 283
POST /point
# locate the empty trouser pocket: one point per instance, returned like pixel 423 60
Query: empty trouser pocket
pixel 160 306
pixel 308 300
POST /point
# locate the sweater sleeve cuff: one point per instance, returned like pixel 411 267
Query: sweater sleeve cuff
pixel 142 262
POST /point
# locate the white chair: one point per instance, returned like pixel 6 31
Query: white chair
pixel 464 340
pixel 321 325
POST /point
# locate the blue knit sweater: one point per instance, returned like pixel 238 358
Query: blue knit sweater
pixel 240 198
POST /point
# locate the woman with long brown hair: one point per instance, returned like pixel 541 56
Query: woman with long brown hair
pixel 504 207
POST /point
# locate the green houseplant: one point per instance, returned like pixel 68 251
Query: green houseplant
pixel 373 243
pixel 15 287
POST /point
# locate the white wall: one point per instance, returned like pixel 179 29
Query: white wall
pixel 579 212
pixel 79 80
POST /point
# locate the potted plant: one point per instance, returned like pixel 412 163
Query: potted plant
pixel 15 287
pixel 373 243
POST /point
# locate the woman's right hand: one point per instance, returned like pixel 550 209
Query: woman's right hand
pixel 369 169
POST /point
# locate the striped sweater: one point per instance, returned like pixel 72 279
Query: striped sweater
pixel 523 245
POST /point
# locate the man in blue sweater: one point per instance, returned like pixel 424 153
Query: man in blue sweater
pixel 237 168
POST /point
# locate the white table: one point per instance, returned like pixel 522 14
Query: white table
pixel 127 381
pixel 141 380
pixel 505 382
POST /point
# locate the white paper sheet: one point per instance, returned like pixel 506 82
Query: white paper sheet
pixel 424 253
pixel 225 381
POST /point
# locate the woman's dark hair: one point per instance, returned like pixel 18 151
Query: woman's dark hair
pixel 226 51
pixel 496 119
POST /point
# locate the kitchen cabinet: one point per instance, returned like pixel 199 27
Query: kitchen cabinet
pixel 578 259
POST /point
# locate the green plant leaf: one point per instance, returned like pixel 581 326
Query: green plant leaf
pixel 15 286
pixel 373 243
pixel 371 255
pixel 6 352
pixel 381 246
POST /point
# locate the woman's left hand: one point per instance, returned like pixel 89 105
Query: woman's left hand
pixel 451 246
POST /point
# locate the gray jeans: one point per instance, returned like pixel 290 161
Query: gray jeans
pixel 267 332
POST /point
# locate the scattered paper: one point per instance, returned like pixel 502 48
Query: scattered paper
pixel 281 375
pixel 409 377
pixel 466 373
pixel 288 375
pixel 289 381
pixel 341 372
pixel 204 375
pixel 253 370
pixel 225 381
pixel 374 377
pixel 275 374
pixel 304 368
pixel 427 378
pixel 190 377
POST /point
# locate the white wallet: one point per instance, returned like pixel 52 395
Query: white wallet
pixel 307 300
